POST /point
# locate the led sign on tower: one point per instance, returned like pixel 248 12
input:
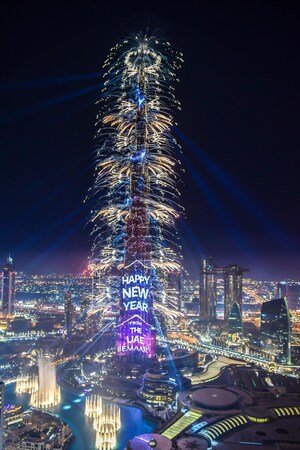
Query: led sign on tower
pixel 135 334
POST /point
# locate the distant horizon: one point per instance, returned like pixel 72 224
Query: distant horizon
pixel 77 268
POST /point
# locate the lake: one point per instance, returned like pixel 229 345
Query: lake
pixel 71 411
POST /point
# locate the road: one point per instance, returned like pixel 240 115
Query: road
pixel 214 368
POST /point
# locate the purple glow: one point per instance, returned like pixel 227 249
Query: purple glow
pixel 135 329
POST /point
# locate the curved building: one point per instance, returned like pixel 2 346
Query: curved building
pixel 158 388
pixel 275 337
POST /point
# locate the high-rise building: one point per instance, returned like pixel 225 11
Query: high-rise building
pixel 208 289
pixel 8 288
pixel 275 336
pixel 291 291
pixel 2 386
pixel 233 287
pixel 174 290
pixel 135 331
pixel 189 293
pixel 135 218
pixel 84 310
pixel 235 323
pixel 84 304
pixel 70 313
pixel 89 317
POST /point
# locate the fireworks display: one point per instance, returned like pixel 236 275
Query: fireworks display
pixel 134 218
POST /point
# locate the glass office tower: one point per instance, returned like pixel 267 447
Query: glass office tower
pixel 275 336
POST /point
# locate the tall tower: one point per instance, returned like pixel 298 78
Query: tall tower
pixel 291 291
pixel 233 288
pixel 235 323
pixel 70 313
pixel 208 289
pixel 135 175
pixel 2 386
pixel 276 330
pixel 174 290
pixel 8 288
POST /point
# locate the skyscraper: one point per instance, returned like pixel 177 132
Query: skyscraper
pixel 235 323
pixel 276 330
pixel 135 215
pixel 233 287
pixel 208 290
pixel 291 291
pixel 70 313
pixel 174 287
pixel 2 386
pixel 8 288
pixel 87 320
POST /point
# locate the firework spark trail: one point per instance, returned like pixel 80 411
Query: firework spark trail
pixel 135 178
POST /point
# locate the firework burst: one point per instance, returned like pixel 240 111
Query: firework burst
pixel 135 180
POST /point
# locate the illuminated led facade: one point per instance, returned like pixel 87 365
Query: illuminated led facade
pixel 134 219
pixel 135 331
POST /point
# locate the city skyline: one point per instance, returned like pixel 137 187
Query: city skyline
pixel 125 344
pixel 238 132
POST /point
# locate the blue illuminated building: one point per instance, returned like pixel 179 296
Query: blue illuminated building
pixel 235 324
pixel 275 337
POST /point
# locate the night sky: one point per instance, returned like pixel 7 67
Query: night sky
pixel 239 127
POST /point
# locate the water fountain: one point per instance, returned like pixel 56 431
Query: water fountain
pixel 93 406
pixel 26 384
pixel 48 392
pixel 106 421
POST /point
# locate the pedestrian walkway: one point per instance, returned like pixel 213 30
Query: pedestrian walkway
pixel 183 422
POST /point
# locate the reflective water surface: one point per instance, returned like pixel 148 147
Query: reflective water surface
pixel 71 410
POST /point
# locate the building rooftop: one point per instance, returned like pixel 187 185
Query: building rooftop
pixel 150 441
pixel 214 398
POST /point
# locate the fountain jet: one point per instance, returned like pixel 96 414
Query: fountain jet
pixel 48 393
